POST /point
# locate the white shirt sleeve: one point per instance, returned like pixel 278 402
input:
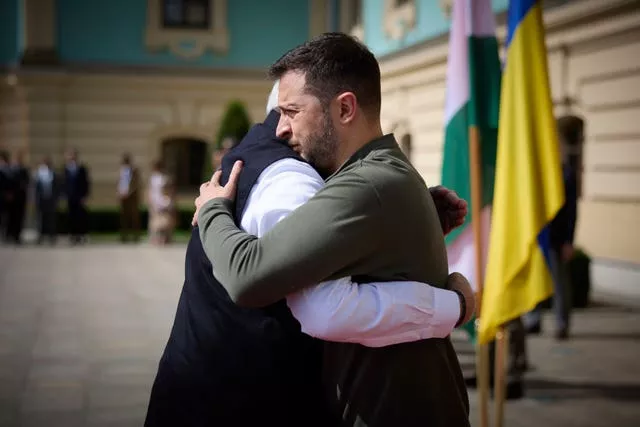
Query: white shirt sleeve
pixel 371 314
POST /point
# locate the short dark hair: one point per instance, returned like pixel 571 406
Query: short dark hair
pixel 334 63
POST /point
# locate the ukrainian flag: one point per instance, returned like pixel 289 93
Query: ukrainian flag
pixel 528 189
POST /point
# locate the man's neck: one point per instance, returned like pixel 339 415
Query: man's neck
pixel 351 146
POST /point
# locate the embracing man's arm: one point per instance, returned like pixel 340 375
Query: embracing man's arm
pixel 371 314
pixel 327 237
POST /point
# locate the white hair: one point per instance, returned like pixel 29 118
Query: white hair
pixel 272 103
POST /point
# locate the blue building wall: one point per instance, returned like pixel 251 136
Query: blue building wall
pixel 113 31
pixel 10 32
pixel 335 14
pixel 430 23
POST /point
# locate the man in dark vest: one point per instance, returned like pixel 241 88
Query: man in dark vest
pixel 5 187
pixel 562 229
pixel 47 189
pixel 17 205
pixel 77 187
pixel 225 365
pixel 373 220
pixel 129 195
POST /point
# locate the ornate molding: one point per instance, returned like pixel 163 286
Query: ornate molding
pixel 398 19
pixel 188 43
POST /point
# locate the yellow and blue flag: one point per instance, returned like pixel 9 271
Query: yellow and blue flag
pixel 528 188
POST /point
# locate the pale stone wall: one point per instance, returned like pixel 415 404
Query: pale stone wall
pixel 105 112
pixel 104 115
pixel 594 62
pixel 13 114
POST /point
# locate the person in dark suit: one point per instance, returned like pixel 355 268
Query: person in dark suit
pixel 77 187
pixel 4 190
pixel 128 193
pixel 562 229
pixel 47 189
pixel 17 205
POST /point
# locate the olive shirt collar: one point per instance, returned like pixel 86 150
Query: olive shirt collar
pixel 384 142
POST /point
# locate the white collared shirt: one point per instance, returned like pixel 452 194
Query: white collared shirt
pixel 371 314
pixel 44 175
pixel 125 180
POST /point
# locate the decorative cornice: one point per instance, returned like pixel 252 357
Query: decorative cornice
pixel 64 69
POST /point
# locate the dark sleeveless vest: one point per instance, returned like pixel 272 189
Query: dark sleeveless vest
pixel 225 365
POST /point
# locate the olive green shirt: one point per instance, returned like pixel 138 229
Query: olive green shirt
pixel 374 220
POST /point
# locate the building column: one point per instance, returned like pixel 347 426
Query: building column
pixel 39 31
pixel 319 17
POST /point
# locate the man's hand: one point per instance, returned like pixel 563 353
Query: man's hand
pixel 457 282
pixel 212 189
pixel 452 210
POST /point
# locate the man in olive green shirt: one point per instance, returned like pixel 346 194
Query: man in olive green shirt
pixel 374 220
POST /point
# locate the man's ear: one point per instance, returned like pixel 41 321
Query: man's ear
pixel 347 103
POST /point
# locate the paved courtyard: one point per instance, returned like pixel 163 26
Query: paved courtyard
pixel 82 329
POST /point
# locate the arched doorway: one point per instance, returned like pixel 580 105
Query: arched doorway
pixel 184 160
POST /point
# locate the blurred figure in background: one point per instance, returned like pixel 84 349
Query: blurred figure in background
pixel 163 221
pixel 155 188
pixel 18 189
pixel 4 191
pixel 47 190
pixel 77 187
pixel 128 186
pixel 562 230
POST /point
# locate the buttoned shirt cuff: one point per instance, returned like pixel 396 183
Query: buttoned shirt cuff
pixel 446 311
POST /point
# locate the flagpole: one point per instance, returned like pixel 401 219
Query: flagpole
pixel 482 351
pixel 502 344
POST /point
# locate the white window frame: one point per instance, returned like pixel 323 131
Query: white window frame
pixel 188 43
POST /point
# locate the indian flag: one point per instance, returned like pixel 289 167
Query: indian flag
pixel 473 100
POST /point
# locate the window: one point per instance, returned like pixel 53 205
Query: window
pixel 186 14
pixel 188 28
pixel 184 161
